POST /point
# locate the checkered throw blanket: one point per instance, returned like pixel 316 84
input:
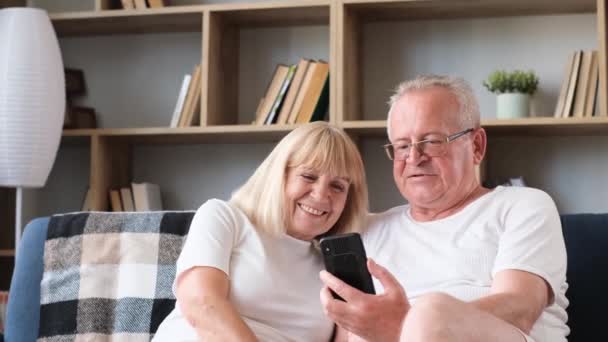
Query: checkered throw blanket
pixel 108 276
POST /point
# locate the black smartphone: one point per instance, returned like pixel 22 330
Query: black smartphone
pixel 344 257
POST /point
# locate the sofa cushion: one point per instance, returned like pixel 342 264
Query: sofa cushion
pixel 586 237
pixel 109 275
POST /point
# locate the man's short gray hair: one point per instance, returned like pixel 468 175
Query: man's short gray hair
pixel 468 115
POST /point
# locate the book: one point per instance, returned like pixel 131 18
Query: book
pixel 292 92
pixel 272 116
pixel 127 199
pixel 3 307
pixel 580 95
pixel 146 196
pixel 592 85
pixel 190 97
pixel 127 4
pixel 87 203
pixel 272 91
pixel 297 105
pixel 115 203
pixel 181 98
pixel 156 3
pixel 313 102
pixel 258 109
pixel 194 108
pixel 572 85
pixel 140 4
pixel 561 100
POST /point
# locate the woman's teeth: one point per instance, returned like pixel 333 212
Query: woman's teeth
pixel 311 210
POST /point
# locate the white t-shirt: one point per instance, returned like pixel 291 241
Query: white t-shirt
pixel 508 228
pixel 274 281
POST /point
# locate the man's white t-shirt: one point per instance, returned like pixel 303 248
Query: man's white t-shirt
pixel 274 281
pixel 508 228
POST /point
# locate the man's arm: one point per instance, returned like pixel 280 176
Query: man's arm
pixel 372 317
pixel 202 293
pixel 517 297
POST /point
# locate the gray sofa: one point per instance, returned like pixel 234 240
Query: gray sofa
pixel 586 237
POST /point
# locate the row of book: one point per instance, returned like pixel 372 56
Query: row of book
pixel 188 105
pixel 137 197
pixel 579 91
pixel 141 4
pixel 297 93
pixel 3 304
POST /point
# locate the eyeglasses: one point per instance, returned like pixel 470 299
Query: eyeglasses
pixel 433 147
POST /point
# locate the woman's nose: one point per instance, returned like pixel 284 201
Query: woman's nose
pixel 320 191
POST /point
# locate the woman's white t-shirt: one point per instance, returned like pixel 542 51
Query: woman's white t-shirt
pixel 274 281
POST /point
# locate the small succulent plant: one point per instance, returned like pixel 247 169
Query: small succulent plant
pixel 518 81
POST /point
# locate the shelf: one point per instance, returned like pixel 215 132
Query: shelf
pixel 189 135
pixel 538 126
pixel 168 19
pixel 284 13
pixel 412 10
pixel 7 252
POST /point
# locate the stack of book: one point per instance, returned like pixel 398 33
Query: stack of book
pixel 578 94
pixel 297 93
pixel 188 105
pixel 138 197
pixel 141 4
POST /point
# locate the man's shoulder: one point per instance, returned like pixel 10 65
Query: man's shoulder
pixel 521 194
pixel 377 221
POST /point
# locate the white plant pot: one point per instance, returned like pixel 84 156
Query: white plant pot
pixel 512 105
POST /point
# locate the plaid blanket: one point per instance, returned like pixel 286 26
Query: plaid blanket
pixel 108 276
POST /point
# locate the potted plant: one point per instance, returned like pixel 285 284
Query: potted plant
pixel 514 90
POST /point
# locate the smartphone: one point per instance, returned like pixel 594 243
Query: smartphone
pixel 344 257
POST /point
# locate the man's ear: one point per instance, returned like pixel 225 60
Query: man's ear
pixel 480 142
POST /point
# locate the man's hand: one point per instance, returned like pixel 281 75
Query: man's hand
pixel 372 317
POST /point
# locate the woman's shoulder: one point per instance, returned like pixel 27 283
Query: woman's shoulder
pixel 222 211
pixel 218 205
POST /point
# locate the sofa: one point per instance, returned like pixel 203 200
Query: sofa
pixel 150 243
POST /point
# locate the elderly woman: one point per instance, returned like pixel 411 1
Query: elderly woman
pixel 249 269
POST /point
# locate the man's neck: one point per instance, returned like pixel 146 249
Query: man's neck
pixel 424 214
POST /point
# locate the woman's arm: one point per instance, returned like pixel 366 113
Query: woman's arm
pixel 202 294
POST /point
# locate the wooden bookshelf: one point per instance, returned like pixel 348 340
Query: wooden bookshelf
pixel 7 252
pixel 537 126
pixel 219 25
pixel 170 19
pixel 370 10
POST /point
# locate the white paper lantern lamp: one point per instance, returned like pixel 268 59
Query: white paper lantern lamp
pixel 32 100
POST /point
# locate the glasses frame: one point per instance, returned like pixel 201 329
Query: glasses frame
pixel 417 144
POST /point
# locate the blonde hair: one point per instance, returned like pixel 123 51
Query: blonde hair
pixel 468 114
pixel 320 146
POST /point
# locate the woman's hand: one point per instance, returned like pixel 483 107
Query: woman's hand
pixel 202 294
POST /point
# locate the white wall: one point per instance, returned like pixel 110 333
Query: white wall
pixel 133 81
pixel 473 48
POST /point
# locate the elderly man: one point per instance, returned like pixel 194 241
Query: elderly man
pixel 463 263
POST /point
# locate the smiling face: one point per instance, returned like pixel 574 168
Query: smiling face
pixel 315 201
pixel 433 183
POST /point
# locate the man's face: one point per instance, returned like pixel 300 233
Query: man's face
pixel 432 182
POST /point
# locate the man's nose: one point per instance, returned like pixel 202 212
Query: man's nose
pixel 415 155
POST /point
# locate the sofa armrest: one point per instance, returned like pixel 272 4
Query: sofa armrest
pixel 23 310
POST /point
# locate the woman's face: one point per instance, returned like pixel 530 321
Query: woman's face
pixel 315 201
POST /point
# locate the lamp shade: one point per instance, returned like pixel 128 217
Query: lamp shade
pixel 32 97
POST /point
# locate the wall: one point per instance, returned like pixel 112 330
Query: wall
pixel 133 81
